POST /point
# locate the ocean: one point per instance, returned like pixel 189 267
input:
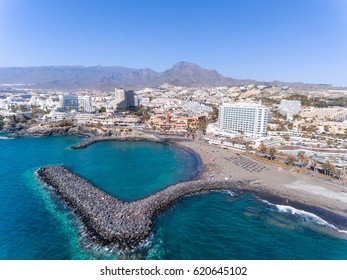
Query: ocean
pixel 35 225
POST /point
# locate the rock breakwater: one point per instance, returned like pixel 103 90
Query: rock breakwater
pixel 149 138
pixel 94 139
pixel 112 221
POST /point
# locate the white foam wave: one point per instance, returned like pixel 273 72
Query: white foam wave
pixel 306 216
pixel 266 202
pixel 232 194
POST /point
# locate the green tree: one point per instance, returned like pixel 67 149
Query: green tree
pixel 272 152
pixel 143 113
pixel 339 174
pixel 280 125
pixel 303 159
pixel 296 117
pixel 328 167
pixel 262 148
pixel 214 114
pixel 102 110
pixel 36 111
pixel 1 122
pixel 291 159
pixel 248 146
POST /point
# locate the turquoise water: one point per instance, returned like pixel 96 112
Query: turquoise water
pixel 35 225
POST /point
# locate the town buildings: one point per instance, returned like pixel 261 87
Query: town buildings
pixel 168 109
pixel 332 113
pixel 289 108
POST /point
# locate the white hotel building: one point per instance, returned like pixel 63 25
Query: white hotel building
pixel 73 102
pixel 248 118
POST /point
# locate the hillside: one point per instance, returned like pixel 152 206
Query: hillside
pixel 106 77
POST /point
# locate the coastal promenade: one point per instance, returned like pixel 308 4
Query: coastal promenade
pixel 124 224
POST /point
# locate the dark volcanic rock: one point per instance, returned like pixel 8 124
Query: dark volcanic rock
pixel 113 221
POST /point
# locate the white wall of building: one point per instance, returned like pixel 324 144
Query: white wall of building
pixel 248 118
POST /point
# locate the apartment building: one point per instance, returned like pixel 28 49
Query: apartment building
pixel 248 118
pixel 74 102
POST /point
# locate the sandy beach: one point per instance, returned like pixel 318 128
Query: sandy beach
pixel 280 185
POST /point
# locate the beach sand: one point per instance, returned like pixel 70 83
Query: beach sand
pixel 282 186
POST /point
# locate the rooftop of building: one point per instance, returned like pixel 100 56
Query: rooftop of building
pixel 244 105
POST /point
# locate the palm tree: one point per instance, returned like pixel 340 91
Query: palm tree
pixel 303 159
pixel 1 122
pixel 291 159
pixel 262 148
pixel 314 164
pixel 248 146
pixel 272 152
pixel 329 167
pixel 306 161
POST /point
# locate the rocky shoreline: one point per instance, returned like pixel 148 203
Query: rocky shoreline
pixel 54 131
pixel 112 221
pixel 93 135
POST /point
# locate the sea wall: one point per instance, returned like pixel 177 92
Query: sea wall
pixel 144 137
pixel 94 139
pixel 112 221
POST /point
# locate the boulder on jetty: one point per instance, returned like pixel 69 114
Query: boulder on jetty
pixel 112 221
pixel 135 137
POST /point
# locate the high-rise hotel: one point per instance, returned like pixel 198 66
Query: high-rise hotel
pixel 125 99
pixel 73 102
pixel 248 118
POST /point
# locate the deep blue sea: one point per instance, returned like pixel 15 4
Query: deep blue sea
pixel 36 225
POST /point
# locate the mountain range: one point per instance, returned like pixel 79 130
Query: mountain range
pixel 108 77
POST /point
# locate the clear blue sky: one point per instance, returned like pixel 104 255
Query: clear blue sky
pixel 288 40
